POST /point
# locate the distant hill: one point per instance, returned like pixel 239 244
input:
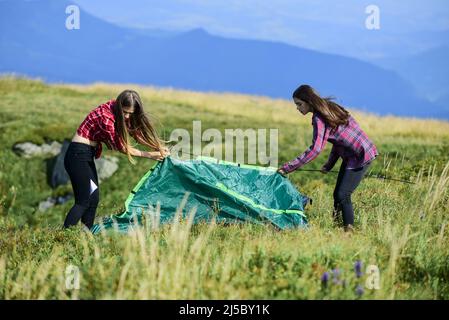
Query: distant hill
pixel 427 71
pixel 35 42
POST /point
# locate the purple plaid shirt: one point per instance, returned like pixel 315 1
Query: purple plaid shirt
pixel 349 142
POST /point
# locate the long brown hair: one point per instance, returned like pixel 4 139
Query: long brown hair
pixel 140 124
pixel 332 113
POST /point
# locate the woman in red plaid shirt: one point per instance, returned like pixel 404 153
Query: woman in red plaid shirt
pixel 331 122
pixel 111 123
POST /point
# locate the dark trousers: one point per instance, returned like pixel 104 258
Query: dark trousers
pixel 347 182
pixel 79 164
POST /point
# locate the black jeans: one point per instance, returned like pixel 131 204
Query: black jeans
pixel 79 164
pixel 347 182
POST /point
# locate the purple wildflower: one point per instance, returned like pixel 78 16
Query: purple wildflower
pixel 336 274
pixel 359 290
pixel 325 278
pixel 358 268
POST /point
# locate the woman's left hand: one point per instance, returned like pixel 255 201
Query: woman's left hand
pixel 282 172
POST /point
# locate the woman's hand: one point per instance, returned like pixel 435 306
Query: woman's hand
pixel 156 155
pixel 165 152
pixel 282 172
pixel 160 155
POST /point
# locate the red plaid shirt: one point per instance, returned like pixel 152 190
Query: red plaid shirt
pixel 349 142
pixel 99 126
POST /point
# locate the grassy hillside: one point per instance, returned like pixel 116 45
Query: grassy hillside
pixel 401 228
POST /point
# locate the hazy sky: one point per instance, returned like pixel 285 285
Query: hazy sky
pixel 327 25
pixel 238 15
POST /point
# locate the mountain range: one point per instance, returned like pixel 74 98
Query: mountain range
pixel 34 41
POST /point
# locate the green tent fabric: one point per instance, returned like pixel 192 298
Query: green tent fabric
pixel 225 191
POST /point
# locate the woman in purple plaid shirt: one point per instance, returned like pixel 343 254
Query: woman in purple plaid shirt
pixel 331 122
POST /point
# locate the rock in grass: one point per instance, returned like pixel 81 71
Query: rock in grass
pixel 53 201
pixel 57 175
pixel 29 150
pixel 47 204
pixel 106 167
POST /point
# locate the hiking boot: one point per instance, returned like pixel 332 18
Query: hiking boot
pixel 349 228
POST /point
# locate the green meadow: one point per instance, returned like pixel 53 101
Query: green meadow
pixel 401 228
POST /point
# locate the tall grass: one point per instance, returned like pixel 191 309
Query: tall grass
pixel 181 261
pixel 400 228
